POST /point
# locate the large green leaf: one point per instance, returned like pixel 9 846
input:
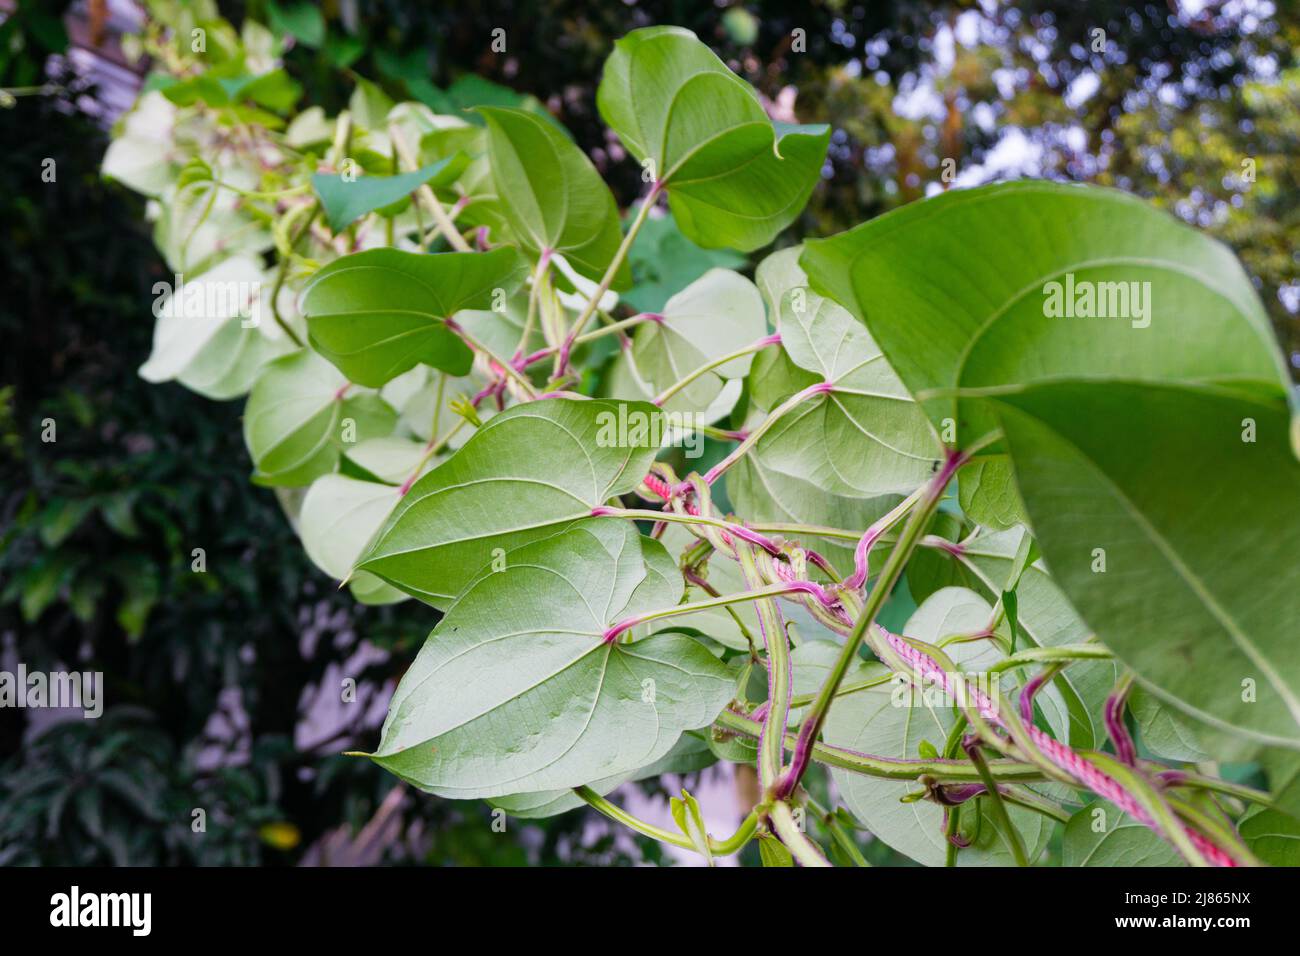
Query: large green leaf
pixel 953 290
pixel 1191 496
pixel 553 197
pixel 377 313
pixel 516 691
pixel 524 475
pixel 299 417
pixel 733 177
pixel 1101 834
pixel 347 200
pixel 761 495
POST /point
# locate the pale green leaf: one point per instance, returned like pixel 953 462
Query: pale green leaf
pixel 1101 834
pixel 527 473
pixel 515 690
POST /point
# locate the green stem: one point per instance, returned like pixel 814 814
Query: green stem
pixel 734 843
pixel 771 745
pixel 889 575
pixel 562 356
pixel 1061 652
pixel 775 590
pixel 888 768
pixel 708 366
pixel 1010 835
pixel 645 514
pixel 841 838
pixel 1031 801
pixel 426 194
pixel 796 841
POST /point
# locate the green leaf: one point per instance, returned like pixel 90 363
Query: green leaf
pixel 1101 834
pixel 1164 731
pixel 553 196
pixel 690 753
pixel 733 177
pixel 377 313
pixel 987 492
pixel 304 21
pixel 527 473
pixel 390 460
pixel 1197 528
pixel 198 331
pixel 369 105
pixel 764 495
pixel 516 690
pixel 719 313
pixel 664 261
pixel 339 516
pixel 956 292
pixel 345 201
pixel 772 852
pixel 865 439
pixel 1272 836
pixel 297 419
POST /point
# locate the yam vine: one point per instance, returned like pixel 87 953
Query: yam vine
pixel 656 539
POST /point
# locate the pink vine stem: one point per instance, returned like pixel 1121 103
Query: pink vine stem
pixel 1058 753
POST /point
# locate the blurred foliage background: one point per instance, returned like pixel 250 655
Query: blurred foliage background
pixel 215 682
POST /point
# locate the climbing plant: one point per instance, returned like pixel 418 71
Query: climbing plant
pixel 987 508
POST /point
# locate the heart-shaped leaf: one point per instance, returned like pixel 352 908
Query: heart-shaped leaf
pixel 988 289
pixel 1156 507
pixel 299 417
pixel 347 200
pixel 734 178
pixel 516 690
pixel 867 437
pixel 377 313
pixel 552 196
pixel 527 473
